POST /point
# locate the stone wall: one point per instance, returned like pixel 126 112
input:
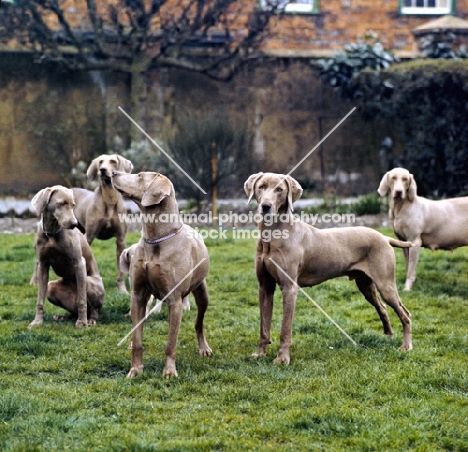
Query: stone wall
pixel 49 120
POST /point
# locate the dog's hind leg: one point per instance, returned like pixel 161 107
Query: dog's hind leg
pixel 202 300
pixel 62 293
pixel 120 246
pixel 390 295
pixel 368 289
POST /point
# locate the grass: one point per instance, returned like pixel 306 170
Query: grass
pixel 63 388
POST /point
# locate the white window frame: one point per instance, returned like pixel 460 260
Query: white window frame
pixel 300 6
pixel 433 10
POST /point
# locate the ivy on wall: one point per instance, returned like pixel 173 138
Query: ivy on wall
pixel 423 102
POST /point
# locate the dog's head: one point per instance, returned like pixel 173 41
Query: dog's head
pixel 56 202
pixel 275 193
pixel 146 188
pixel 399 183
pixel 103 166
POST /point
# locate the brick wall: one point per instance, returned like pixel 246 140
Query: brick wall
pixel 342 21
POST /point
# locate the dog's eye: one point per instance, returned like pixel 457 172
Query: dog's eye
pixel 262 187
pixel 279 190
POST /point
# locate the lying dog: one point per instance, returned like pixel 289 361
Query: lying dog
pixel 300 255
pixel 169 262
pixel 423 222
pixel 124 266
pixel 98 211
pixel 59 245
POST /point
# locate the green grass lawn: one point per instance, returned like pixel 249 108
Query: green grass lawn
pixel 63 388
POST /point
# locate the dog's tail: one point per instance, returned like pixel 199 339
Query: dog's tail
pixel 398 243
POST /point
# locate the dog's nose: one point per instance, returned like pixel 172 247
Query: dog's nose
pixel 103 170
pixel 266 207
pixel 398 193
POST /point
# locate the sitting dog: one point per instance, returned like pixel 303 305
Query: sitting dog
pixel 59 245
pixel 98 211
pixel 423 222
pixel 169 262
pixel 124 266
pixel 293 254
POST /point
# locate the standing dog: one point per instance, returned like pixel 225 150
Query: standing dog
pixel 293 254
pixel 169 262
pixel 59 245
pixel 98 211
pixel 423 222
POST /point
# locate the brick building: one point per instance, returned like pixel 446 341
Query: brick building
pixel 46 112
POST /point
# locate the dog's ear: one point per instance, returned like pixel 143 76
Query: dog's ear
pixel 294 191
pixel 383 187
pixel 41 199
pixel 412 188
pixel 125 165
pixel 249 185
pixel 158 189
pixel 92 173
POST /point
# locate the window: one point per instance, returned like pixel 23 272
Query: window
pixel 293 6
pixel 427 6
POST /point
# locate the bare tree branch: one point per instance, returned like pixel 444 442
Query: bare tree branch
pixel 209 36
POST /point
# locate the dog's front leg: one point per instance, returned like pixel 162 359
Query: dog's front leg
pixel 42 278
pixel 289 292
pixel 81 291
pixel 266 292
pixel 175 318
pixel 137 309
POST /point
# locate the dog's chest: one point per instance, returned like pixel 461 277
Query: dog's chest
pixel 59 260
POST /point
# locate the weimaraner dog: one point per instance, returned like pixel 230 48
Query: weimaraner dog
pixel 170 261
pixel 293 254
pixel 423 222
pixel 124 266
pixel 59 245
pixel 98 211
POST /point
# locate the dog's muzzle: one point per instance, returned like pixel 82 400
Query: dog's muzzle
pixel 266 207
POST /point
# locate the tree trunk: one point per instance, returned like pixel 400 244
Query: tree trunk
pixel 138 97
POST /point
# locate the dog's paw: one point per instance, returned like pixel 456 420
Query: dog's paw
pixel 35 323
pixel 92 322
pixel 81 323
pixel 282 358
pixel 122 289
pixel 259 353
pixel 406 347
pixel 135 371
pixel 205 350
pixel 170 372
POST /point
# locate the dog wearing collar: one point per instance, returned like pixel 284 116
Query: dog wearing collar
pixel 169 262
pixel 60 245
